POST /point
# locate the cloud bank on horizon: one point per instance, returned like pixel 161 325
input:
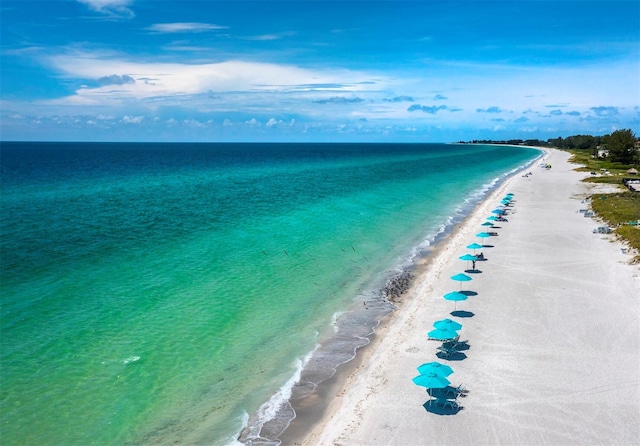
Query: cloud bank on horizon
pixel 406 71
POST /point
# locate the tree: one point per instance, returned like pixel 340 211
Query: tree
pixel 621 145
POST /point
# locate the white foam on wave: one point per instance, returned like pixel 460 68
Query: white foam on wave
pixel 131 359
pixel 269 410
pixel 334 320
pixel 466 207
pixel 244 422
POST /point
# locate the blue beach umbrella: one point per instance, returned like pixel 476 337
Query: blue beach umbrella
pixel 456 296
pixel 474 246
pixel 487 223
pixel 447 324
pixel 492 218
pixel 483 235
pixel 437 367
pixel 468 258
pixel 431 380
pixel 441 334
pixel 498 211
pixel 461 278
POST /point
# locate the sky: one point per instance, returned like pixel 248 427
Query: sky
pixel 317 71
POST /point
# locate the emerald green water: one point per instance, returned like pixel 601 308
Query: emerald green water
pixel 163 293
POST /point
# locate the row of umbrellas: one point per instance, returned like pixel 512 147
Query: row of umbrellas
pixel 433 375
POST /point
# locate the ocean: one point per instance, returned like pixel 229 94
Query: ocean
pixel 185 293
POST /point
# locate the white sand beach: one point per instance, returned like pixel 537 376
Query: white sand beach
pixel 554 335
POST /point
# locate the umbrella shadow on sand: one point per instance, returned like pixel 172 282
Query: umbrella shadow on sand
pixel 442 409
pixel 454 356
pixel 462 313
pixel 473 271
pixel 468 293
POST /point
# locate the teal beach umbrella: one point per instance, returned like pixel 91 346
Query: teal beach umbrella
pixel 461 278
pixel 456 296
pixel 447 324
pixel 468 258
pixel 437 367
pixel 431 380
pixel 441 334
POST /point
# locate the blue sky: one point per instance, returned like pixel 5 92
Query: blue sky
pixel 379 71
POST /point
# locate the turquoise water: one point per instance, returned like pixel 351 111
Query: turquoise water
pixel 154 293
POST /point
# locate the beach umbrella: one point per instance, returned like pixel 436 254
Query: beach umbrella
pixel 483 235
pixel 441 334
pixel 456 296
pixel 474 246
pixel 431 380
pixel 437 367
pixel 447 324
pixel 461 278
pixel 492 218
pixel 487 223
pixel 468 258
pixel 498 211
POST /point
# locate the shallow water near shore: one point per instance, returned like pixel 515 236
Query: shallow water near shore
pixel 154 293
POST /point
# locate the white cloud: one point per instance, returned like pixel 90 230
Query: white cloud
pixel 184 79
pixel 272 122
pixel 132 119
pixel 184 27
pixel 113 8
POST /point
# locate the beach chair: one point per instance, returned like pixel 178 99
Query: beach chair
pixel 457 391
pixel 447 352
pixel 454 343
pixel 448 392
pixel 447 403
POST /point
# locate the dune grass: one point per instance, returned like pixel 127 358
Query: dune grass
pixel 617 209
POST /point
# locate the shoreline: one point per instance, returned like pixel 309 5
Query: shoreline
pixel 307 399
pixel 368 402
pixel 311 409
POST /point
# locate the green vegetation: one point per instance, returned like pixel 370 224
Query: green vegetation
pixel 621 145
pixel 616 170
pixel 631 234
pixel 619 210
pixel 608 157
